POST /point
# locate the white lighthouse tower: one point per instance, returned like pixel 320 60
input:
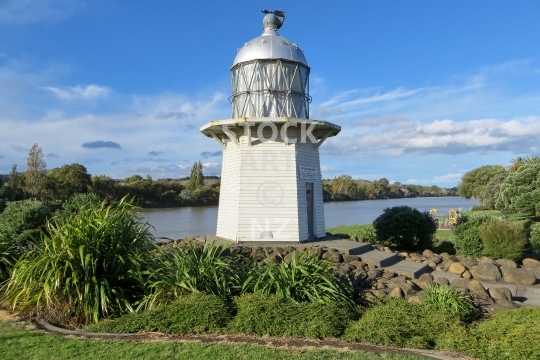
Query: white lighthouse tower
pixel 271 186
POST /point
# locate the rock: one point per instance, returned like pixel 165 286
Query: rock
pixel 456 268
pixel 505 304
pixel 432 264
pixel 335 257
pixel 413 299
pixel 441 281
pixel 427 278
pixel 397 292
pixel 386 249
pixel 531 263
pixel 506 262
pixel 277 250
pixel 460 283
pixel 485 259
pixel 446 264
pixel 486 271
pixel 427 253
pixel 398 280
pixel 466 274
pixel 349 258
pixel 519 276
pixel 389 274
pixel 276 258
pixel 500 293
pixel 478 290
pixel 404 254
pixel 257 252
pixel 436 259
pixel 380 292
pixel 374 273
pixel 468 262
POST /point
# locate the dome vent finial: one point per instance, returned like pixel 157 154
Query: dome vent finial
pixel 273 19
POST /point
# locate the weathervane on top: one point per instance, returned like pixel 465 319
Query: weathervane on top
pixel 273 19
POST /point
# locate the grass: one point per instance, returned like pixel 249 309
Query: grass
pixel 17 342
pixel 511 217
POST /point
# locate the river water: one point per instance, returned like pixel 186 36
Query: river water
pixel 177 223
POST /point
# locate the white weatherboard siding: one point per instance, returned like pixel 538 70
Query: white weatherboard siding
pixel 262 195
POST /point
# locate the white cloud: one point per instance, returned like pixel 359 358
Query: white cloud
pixel 436 180
pixel 88 92
pixel 31 11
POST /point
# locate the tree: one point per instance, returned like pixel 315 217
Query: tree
pixel 104 187
pixel 492 190
pixel 69 180
pixel 520 191
pixel 35 171
pixel 196 178
pixel 474 182
pixel 15 185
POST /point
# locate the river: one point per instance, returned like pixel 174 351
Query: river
pixel 180 222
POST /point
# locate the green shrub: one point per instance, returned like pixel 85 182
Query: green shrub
pixel 303 277
pixel 467 234
pixel 9 253
pixel 88 268
pixel 191 314
pixel 396 322
pixel 480 208
pixel 449 299
pixel 22 221
pixel 405 228
pixel 75 204
pixel 508 335
pixel 535 237
pixel 261 314
pixel 365 233
pixel 194 268
pixel 503 240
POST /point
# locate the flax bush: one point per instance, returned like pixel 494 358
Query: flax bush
pixel 449 299
pixel 207 268
pixel 304 277
pixel 88 267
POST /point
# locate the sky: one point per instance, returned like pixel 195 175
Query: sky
pixel 424 90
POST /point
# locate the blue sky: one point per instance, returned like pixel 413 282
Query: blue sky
pixel 424 91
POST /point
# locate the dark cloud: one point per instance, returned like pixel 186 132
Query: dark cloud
pixel 173 115
pixel 155 153
pixel 20 149
pixel 101 144
pixel 51 155
pixel 208 154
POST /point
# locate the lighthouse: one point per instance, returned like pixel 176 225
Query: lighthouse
pixel 271 185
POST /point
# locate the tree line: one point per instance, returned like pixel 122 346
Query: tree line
pixel 344 188
pixel 511 189
pixel 57 185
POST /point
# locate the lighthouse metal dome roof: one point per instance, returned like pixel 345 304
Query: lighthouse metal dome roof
pixel 270 45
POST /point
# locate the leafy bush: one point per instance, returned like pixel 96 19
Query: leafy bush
pixel 405 228
pixel 22 221
pixel 479 208
pixel 9 253
pixel 365 233
pixel 88 268
pixel 304 277
pixel 395 322
pixel 191 314
pixel 449 299
pixel 75 204
pixel 535 237
pixel 510 335
pixel 467 234
pixel 194 268
pixel 503 240
pixel 261 314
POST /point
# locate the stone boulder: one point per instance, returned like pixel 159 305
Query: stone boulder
pixel 481 295
pixel 498 293
pixel 486 271
pixel 456 268
pixel 350 258
pixel 506 262
pixel 468 262
pixel 519 276
pixel 461 283
pixel 441 281
pixel 397 292
pixel 334 257
pixel 531 263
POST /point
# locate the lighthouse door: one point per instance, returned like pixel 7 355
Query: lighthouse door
pixel 309 206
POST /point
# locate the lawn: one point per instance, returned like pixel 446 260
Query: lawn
pixel 17 342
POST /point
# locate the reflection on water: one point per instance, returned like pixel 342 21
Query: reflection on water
pixel 190 221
